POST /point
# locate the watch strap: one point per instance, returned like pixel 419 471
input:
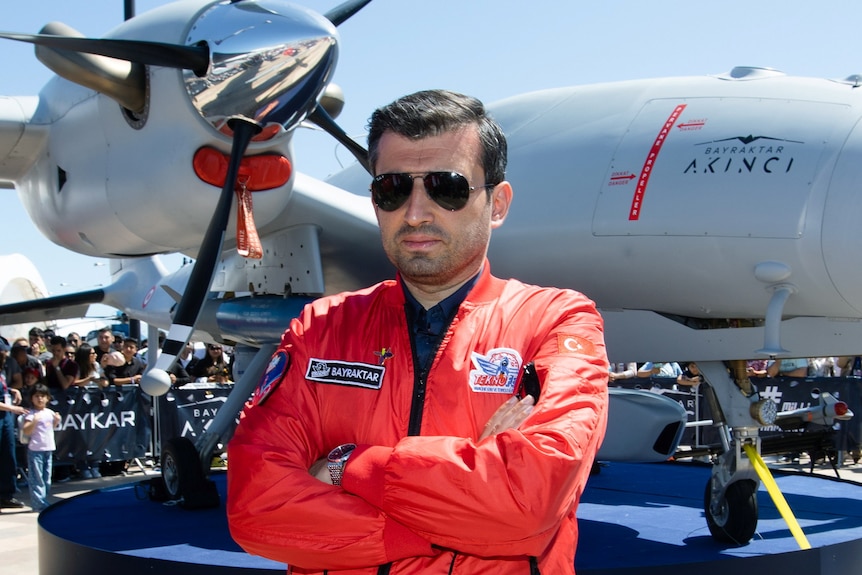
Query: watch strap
pixel 336 461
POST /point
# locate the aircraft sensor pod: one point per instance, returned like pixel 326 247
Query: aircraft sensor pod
pixel 771 272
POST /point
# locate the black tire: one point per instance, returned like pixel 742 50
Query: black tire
pixel 181 468
pixel 736 521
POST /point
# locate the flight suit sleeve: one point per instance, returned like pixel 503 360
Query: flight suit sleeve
pixel 507 494
pixel 276 509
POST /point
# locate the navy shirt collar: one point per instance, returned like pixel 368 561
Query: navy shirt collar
pixel 427 328
pixel 446 308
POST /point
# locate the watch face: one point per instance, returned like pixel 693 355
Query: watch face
pixel 340 452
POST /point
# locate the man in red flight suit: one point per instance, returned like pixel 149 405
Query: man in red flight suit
pixel 390 433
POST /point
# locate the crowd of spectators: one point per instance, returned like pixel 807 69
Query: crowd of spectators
pixel 112 359
pixel 689 375
pixel 58 363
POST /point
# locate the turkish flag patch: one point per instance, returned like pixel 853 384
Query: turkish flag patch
pixel 567 343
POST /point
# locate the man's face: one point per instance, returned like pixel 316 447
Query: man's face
pixel 106 338
pixel 58 351
pixel 435 248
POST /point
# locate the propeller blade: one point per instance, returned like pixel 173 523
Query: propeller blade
pixel 124 82
pixel 320 117
pixel 128 9
pixel 194 58
pixel 345 10
pixel 156 381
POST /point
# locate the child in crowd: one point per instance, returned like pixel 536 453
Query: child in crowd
pixel 39 425
pixel 31 378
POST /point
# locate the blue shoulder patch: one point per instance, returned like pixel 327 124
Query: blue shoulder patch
pixel 275 372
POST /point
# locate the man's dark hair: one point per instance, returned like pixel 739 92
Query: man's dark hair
pixel 36 332
pixel 58 340
pixel 131 340
pixel 434 112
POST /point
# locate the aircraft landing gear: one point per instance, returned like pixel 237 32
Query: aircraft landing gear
pixel 181 467
pixel 730 498
pixel 184 477
pixel 732 518
pixel 184 474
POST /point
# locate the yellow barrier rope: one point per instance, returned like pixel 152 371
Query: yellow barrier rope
pixel 777 496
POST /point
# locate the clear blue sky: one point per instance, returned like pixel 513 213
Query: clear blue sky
pixel 491 49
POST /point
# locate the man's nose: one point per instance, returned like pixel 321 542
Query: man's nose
pixel 419 204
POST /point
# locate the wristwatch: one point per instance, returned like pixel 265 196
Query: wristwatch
pixel 336 461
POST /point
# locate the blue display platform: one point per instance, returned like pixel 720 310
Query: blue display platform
pixel 634 519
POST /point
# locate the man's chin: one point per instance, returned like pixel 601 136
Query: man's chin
pixel 419 266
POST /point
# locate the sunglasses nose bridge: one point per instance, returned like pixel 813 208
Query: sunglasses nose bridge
pixel 422 180
pixel 418 203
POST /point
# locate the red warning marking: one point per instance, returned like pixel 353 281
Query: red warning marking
pixel 640 190
pixel 622 179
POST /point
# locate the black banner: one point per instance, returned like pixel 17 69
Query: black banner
pixel 189 412
pixel 116 423
pixel 111 424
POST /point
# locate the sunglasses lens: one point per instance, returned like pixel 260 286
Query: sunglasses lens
pixel 390 191
pixel 450 190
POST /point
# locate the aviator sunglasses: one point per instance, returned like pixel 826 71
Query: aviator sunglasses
pixel 450 190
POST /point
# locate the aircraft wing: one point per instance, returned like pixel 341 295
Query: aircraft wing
pixel 50 308
pixel 22 292
pixel 20 141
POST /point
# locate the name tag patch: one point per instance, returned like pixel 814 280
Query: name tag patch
pixel 350 373
pixel 496 371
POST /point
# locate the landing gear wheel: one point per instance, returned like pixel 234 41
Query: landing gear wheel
pixel 181 467
pixel 736 519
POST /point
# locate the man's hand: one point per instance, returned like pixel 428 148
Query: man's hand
pixel 508 416
pixel 320 471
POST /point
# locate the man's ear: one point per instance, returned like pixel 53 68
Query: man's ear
pixel 501 199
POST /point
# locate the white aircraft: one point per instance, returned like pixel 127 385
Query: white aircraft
pixel 139 150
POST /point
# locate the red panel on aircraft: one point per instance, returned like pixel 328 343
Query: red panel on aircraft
pixel 263 172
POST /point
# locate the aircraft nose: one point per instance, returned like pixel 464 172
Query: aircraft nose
pixel 270 61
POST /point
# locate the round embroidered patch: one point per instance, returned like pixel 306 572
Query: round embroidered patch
pixel 275 372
